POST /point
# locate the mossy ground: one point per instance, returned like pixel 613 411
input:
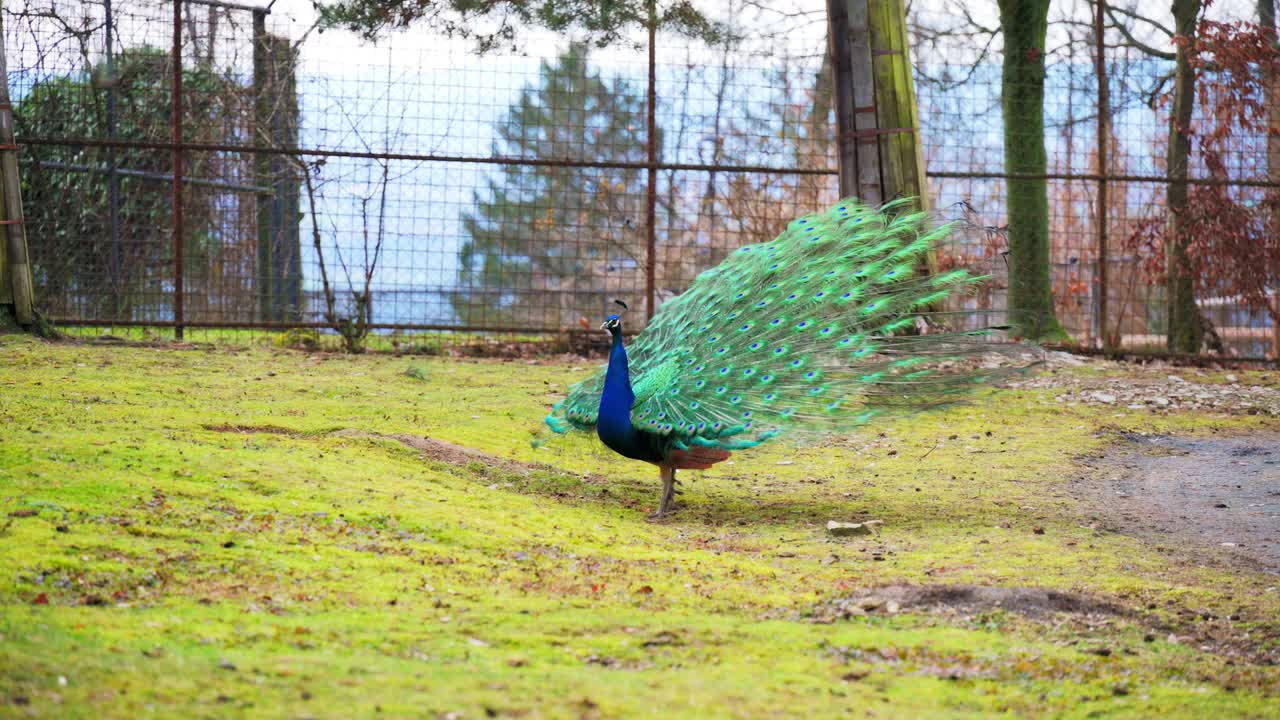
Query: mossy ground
pixel 200 533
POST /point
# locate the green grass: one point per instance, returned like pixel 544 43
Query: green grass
pixel 156 561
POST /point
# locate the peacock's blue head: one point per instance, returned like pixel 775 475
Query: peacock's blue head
pixel 613 323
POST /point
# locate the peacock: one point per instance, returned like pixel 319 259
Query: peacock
pixel 821 330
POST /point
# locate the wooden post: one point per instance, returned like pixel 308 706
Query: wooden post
pixel 877 119
pixel 850 47
pixel 279 275
pixel 901 155
pixel 15 270
pixel 897 114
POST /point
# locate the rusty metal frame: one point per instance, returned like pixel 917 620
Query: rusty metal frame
pixel 651 171
pixel 273 325
pixel 421 157
pixel 179 155
pixel 623 165
pixel 1095 177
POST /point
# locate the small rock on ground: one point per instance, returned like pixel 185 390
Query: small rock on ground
pixel 845 529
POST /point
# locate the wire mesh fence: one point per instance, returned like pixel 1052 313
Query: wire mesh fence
pixel 305 178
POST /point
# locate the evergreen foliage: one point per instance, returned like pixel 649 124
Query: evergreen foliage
pixel 65 187
pixel 545 237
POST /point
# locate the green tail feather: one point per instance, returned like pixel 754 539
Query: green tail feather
pixel 802 334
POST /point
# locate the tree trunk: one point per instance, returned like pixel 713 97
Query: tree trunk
pixel 1271 90
pixel 1024 24
pixel 1185 332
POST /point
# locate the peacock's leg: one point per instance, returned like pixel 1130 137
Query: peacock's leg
pixel 668 475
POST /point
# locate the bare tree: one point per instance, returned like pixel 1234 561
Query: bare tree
pixel 350 311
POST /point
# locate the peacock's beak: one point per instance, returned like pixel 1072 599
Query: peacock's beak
pixel 605 326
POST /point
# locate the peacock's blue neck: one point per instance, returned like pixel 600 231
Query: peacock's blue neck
pixel 613 424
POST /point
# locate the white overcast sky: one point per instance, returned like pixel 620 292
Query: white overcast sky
pixel 802 22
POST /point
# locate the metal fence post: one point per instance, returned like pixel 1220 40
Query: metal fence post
pixel 113 177
pixel 651 172
pixel 177 169
pixel 1104 134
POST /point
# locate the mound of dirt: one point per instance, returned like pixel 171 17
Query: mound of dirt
pixel 462 456
pixel 447 452
pixel 251 429
pixel 1033 602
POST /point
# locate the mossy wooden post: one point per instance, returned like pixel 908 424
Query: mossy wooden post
pixel 849 35
pixel 1025 24
pixel 897 112
pixel 901 156
pixel 878 121
pixel 15 272
pixel 279 272
pixel 876 114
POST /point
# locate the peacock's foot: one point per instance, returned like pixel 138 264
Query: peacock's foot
pixel 665 507
pixel 668 494
pixel 659 515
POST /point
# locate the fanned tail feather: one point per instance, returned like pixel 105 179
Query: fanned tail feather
pixel 808 333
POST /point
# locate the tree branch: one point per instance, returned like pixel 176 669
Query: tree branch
pixel 1135 16
pixel 1137 44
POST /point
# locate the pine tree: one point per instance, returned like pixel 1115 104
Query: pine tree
pixel 549 244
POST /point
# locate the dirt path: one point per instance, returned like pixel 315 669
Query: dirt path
pixel 1208 495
